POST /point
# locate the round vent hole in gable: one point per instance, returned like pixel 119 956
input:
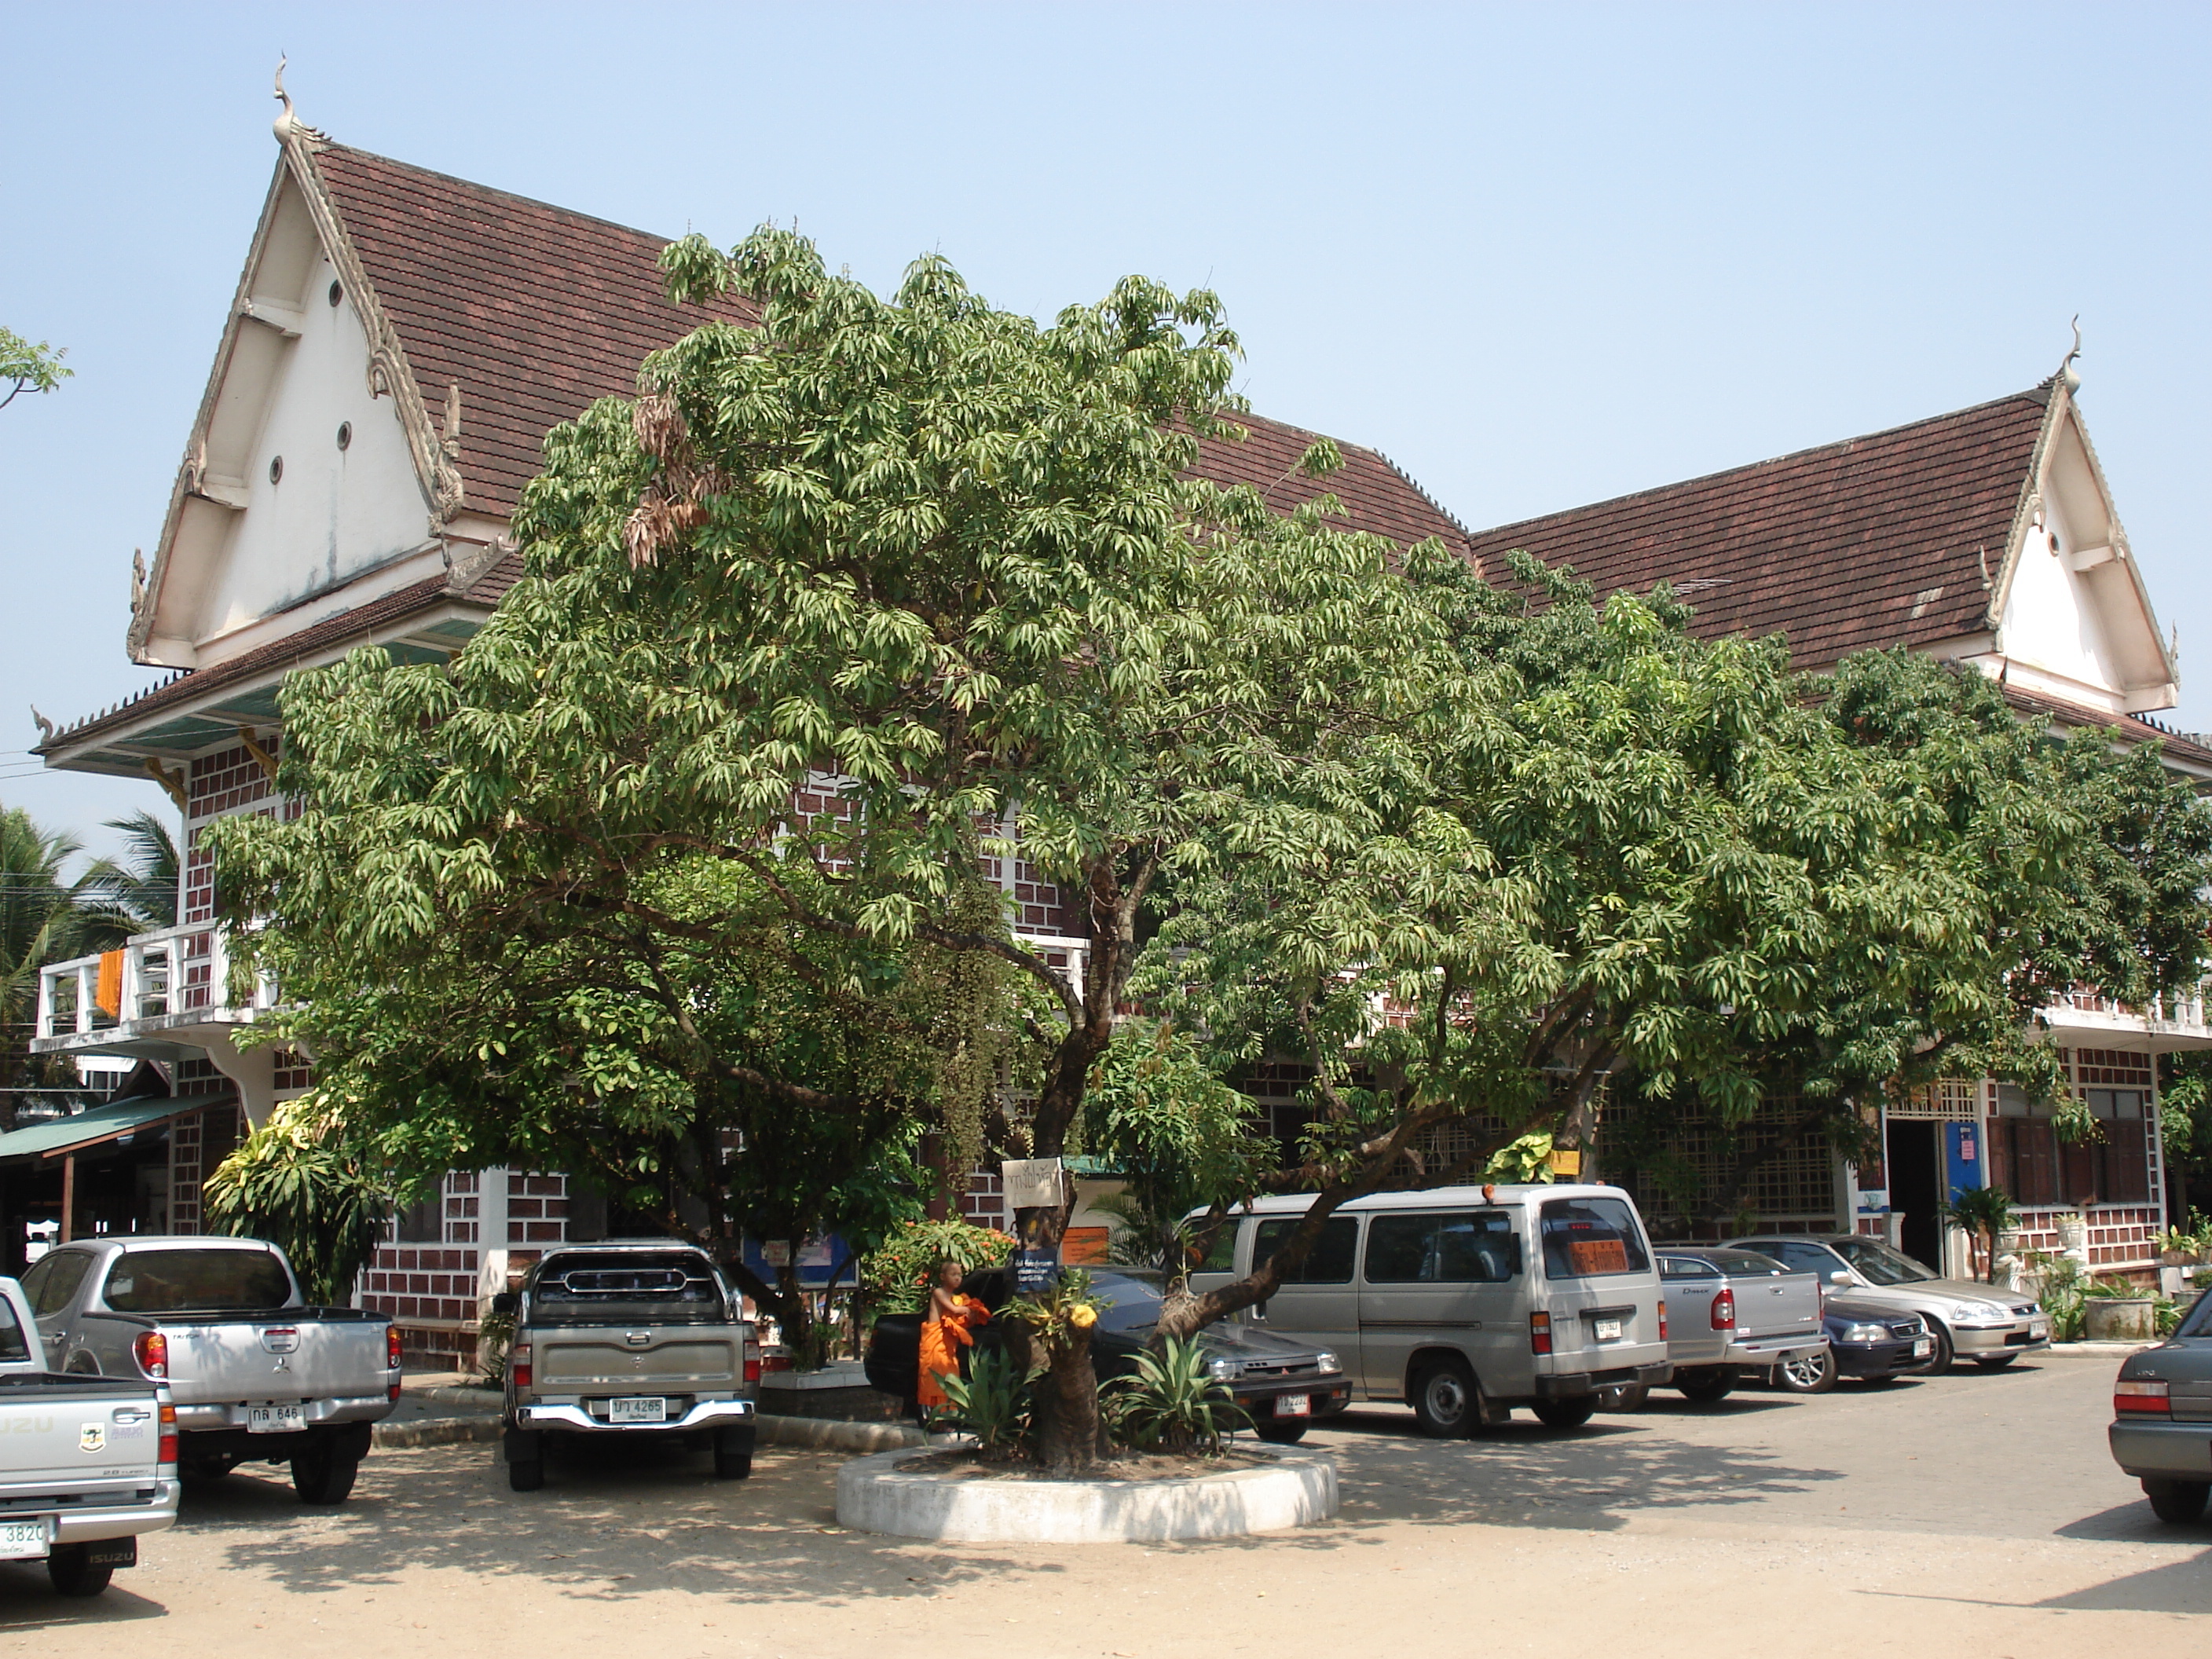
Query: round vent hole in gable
pixel 277 470
pixel 338 292
pixel 345 434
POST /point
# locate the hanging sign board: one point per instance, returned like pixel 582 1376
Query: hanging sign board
pixel 1031 1184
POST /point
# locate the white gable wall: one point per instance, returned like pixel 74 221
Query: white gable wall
pixel 332 515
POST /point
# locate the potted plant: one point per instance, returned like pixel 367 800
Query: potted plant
pixel 2114 1311
pixel 1986 1213
pixel 2073 1230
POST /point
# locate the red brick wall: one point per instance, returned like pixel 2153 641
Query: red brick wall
pixel 536 1208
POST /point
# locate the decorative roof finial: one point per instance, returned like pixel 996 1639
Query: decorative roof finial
pixel 288 123
pixel 45 727
pixel 2067 373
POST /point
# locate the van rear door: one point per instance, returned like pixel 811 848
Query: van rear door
pixel 1601 1292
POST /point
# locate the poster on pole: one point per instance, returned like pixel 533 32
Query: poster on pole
pixel 1032 1183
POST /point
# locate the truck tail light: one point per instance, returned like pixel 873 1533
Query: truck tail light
pixel 392 1347
pixel 518 1365
pixel 753 1362
pixel 1724 1311
pixel 1540 1333
pixel 1662 1319
pixel 2140 1399
pixel 151 1350
pixel 168 1441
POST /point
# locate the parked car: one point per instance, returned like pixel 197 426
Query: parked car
pixel 255 1373
pixel 2161 1431
pixel 87 1464
pixel 1733 1311
pixel 1282 1382
pixel 1966 1320
pixel 1874 1344
pixel 633 1338
pixel 1468 1302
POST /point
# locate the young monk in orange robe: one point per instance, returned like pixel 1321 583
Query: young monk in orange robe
pixel 944 1331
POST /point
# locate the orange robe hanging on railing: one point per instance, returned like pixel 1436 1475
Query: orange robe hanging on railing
pixel 941 1342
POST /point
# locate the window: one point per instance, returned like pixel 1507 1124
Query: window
pixel 1590 1237
pixel 1468 1247
pixel 1131 1305
pixel 1881 1265
pixel 51 1285
pixel 1801 1255
pixel 616 1287
pixel 424 1221
pixel 1686 1266
pixel 194 1281
pixel 1220 1255
pixel 14 1346
pixel 1329 1261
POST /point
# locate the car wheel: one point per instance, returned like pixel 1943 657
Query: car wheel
pixel 1812 1373
pixel 1563 1414
pixel 1281 1431
pixel 528 1476
pixel 1447 1400
pixel 1705 1385
pixel 1940 1365
pixel 733 1454
pixel 2179 1502
pixel 322 1476
pixel 73 1573
pixel 1996 1362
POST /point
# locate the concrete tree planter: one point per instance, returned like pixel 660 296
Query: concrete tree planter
pixel 1293 1488
pixel 2119 1319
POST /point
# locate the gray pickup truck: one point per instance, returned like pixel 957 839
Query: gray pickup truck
pixel 86 1464
pixel 256 1374
pixel 632 1338
pixel 1733 1311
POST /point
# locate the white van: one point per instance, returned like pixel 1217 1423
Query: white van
pixel 1466 1301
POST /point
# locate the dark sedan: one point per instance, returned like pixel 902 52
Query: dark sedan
pixel 2161 1430
pixel 1281 1383
pixel 1875 1344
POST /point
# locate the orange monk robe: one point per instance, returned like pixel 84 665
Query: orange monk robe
pixel 941 1342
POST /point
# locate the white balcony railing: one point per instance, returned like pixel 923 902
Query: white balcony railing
pixel 165 976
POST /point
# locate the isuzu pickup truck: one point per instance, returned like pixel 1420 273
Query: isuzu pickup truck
pixel 86 1464
pixel 256 1374
pixel 627 1339
pixel 1736 1311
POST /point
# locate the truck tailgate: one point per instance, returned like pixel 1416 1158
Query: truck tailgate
pixel 589 1359
pixel 1780 1304
pixel 87 1439
pixel 292 1353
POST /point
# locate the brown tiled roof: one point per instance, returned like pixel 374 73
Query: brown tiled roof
pixel 2128 728
pixel 1377 497
pixel 534 311
pixel 1885 540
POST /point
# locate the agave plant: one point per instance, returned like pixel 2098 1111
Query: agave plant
pixel 993 1400
pixel 1171 1402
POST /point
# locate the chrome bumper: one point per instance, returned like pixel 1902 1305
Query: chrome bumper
pixel 1977 1340
pixel 231 1414
pixel 87 1526
pixel 706 1414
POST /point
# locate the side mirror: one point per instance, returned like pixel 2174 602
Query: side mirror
pixel 1839 1277
pixel 505 1301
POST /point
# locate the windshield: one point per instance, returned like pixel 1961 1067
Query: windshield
pixel 1880 1264
pixel 198 1281
pixel 2199 1322
pixel 1129 1304
pixel 1589 1237
pixel 607 1287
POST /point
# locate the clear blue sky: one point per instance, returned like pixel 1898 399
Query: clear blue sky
pixel 1538 255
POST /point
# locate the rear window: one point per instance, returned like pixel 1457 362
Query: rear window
pixel 1591 1237
pixel 1467 1247
pixel 665 1287
pixel 13 1345
pixel 1329 1261
pixel 196 1281
pixel 1130 1304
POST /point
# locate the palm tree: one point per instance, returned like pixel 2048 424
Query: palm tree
pixel 43 917
pixel 142 884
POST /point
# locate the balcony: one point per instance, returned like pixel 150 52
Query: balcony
pixel 2086 1020
pixel 170 992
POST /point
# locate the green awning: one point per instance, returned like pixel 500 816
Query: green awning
pixel 101 1123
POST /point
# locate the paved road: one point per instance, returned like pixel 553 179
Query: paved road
pixel 1977 1515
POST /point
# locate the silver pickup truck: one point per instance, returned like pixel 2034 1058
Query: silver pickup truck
pixel 1733 1311
pixel 628 1338
pixel 86 1464
pixel 256 1374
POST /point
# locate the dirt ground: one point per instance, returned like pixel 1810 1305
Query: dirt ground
pixel 1973 1515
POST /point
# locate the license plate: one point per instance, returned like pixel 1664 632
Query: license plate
pixel 24 1540
pixel 1294 1405
pixel 646 1410
pixel 275 1419
pixel 1923 1346
pixel 1606 1330
pixel 2038 1329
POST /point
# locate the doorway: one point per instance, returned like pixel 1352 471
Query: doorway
pixel 1915 1188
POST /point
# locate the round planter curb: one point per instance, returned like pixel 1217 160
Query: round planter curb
pixel 874 1496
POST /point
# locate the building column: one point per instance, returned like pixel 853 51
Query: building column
pixel 252 1070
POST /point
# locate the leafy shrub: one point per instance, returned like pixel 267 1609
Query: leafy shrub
pixel 1983 1211
pixel 296 1183
pixel 2060 1293
pixel 993 1401
pixel 1171 1402
pixel 494 1339
pixel 897 1272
